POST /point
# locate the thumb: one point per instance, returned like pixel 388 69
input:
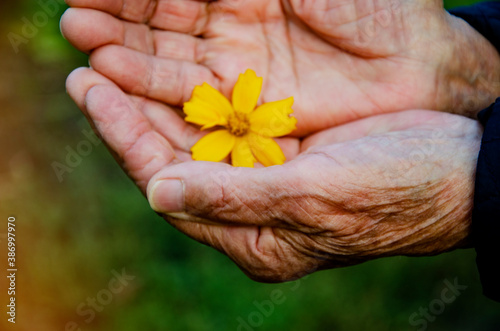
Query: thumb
pixel 218 193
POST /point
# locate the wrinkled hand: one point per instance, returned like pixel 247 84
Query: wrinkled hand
pixel 341 61
pixel 406 190
pixel 387 185
pixel 393 184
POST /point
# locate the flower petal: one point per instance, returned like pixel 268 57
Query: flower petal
pixel 214 147
pixel 207 107
pixel 241 155
pixel 246 92
pixel 266 150
pixel 273 119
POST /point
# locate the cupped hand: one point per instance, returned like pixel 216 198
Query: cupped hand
pixel 341 60
pixel 393 184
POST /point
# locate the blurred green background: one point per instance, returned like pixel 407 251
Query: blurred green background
pixel 74 236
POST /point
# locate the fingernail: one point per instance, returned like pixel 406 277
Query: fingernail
pixel 167 196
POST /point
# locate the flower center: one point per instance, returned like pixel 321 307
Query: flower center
pixel 238 124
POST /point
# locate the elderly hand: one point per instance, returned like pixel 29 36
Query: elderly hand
pixel 341 60
pixel 397 184
pixel 393 184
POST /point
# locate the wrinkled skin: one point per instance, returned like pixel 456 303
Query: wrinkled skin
pixel 341 60
pixel 391 184
pixel 338 204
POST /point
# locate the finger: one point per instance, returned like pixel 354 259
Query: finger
pixel 165 80
pixel 178 46
pixel 378 124
pixel 186 16
pixel 131 10
pixel 125 129
pixel 216 193
pixel 80 81
pixel 162 118
pixel 262 253
pixel 216 236
pixel 88 29
pixel 169 124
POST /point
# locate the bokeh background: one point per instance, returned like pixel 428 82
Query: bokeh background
pixel 75 234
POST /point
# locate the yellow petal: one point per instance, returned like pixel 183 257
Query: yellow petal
pixel 214 147
pixel 241 155
pixel 273 119
pixel 207 107
pixel 246 92
pixel 266 150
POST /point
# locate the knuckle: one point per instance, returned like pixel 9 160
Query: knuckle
pixel 227 202
pixel 224 200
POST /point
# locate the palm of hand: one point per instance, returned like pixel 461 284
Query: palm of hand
pixel 372 73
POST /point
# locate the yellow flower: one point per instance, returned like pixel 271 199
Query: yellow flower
pixel 246 131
